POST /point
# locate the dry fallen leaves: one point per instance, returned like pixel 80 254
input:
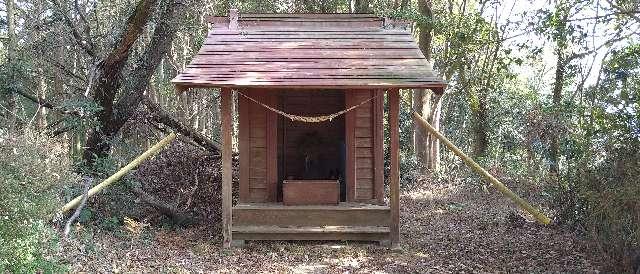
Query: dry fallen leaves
pixel 445 229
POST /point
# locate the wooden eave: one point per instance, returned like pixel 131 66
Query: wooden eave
pixel 309 51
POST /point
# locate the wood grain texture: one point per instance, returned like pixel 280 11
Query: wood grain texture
pixel 272 148
pixel 378 148
pixel 297 20
pixel 310 192
pixel 344 214
pixel 394 174
pixel 311 50
pixel 226 108
pixel 258 148
pixel 313 235
pixel 350 143
pixel 365 140
pixel 244 147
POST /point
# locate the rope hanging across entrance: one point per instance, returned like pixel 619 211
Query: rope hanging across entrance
pixel 310 119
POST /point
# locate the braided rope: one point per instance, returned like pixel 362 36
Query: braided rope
pixel 309 119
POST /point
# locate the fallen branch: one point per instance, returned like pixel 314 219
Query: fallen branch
pixel 115 177
pixel 164 129
pixel 76 214
pixel 482 172
pixel 170 211
pixel 163 117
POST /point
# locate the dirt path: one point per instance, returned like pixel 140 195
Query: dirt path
pixel 445 229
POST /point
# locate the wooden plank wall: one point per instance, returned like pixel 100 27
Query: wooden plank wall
pixel 258 136
pixel 364 138
pixel 258 141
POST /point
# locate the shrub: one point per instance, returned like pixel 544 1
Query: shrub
pixel 601 197
pixel 611 196
pixel 33 172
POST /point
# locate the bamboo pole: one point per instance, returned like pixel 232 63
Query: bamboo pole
pixel 115 177
pixel 482 172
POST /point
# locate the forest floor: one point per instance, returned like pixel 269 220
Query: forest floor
pixel 444 229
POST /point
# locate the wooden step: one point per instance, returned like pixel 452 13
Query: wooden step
pixel 311 229
pixel 358 233
pixel 344 214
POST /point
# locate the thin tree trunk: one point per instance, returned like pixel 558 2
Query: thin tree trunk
pixel 42 112
pixel 400 4
pixel 360 6
pixel 58 88
pixel 480 136
pixel 558 86
pixel 426 102
pixel 11 55
pixel 554 146
pixel 419 139
pixel 433 159
pixel 480 112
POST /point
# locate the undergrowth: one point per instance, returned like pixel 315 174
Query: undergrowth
pixel 34 171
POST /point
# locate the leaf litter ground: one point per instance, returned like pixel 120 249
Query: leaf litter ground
pixel 444 229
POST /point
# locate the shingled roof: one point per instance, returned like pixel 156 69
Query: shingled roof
pixel 342 51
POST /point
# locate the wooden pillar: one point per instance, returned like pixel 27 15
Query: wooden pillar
pixel 226 108
pixel 394 180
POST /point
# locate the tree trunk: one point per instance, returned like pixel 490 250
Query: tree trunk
pixel 554 146
pixel 480 136
pixel 426 102
pixel 11 28
pixel 400 4
pixel 163 35
pixel 107 81
pixel 11 55
pixel 360 6
pixel 419 139
pixel 41 115
pixel 558 86
pixel 433 159
pixel 116 112
pixel 479 99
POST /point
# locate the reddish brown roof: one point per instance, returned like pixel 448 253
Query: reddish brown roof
pixel 308 51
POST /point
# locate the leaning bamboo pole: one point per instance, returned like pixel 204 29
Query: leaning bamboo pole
pixel 482 172
pixel 115 177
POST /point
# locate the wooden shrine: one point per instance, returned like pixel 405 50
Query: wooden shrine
pixel 310 66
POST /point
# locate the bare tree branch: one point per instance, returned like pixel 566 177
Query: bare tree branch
pixel 133 28
pixel 44 103
pixel 631 13
pixel 162 117
pixel 83 202
pixel 618 38
pixel 168 210
pixel 604 16
pixel 62 67
pixel 83 42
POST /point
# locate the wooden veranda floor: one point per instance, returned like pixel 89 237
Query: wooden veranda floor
pixel 346 221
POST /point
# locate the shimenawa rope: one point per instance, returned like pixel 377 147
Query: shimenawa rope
pixel 309 119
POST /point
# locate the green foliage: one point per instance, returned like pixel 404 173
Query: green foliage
pixel 499 66
pixel 33 172
pixel 114 202
pixel 604 198
pixel 600 191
